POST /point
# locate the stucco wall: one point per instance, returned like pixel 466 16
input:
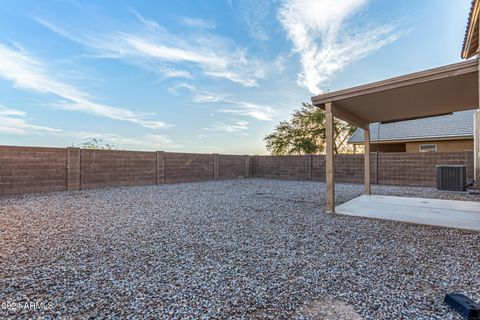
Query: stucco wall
pixel 443 146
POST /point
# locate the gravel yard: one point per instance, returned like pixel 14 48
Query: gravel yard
pixel 250 248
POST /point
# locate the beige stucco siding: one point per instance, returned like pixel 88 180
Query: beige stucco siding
pixel 442 146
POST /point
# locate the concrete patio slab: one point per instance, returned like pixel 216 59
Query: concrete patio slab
pixel 435 212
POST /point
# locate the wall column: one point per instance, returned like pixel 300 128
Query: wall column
pixel 366 141
pixel 216 166
pixel 160 179
pixel 330 168
pixel 246 163
pixel 255 166
pixel 308 167
pixel 73 168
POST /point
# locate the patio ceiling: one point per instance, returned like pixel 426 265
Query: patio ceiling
pixel 422 94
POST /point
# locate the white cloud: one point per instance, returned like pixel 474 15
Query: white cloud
pixel 57 30
pixel 158 138
pixel 238 107
pixel 174 73
pixel 31 74
pixel 157 49
pixel 254 14
pixel 238 126
pixel 326 44
pixel 199 96
pixel 232 76
pixel 146 22
pixel 146 47
pixel 279 64
pixel 196 23
pixel 211 57
pixel 11 112
pixel 14 122
pixel 243 108
pixel 144 142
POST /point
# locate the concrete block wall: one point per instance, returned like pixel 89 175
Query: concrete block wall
pixel 281 167
pixel 188 167
pixel 73 169
pixel 348 167
pixel 35 169
pixel 160 167
pixel 108 168
pixel 418 169
pixel 318 167
pixel 233 166
pixel 412 169
pixel 24 169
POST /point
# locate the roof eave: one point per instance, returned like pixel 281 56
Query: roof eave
pixel 443 138
pixel 396 82
pixel 470 41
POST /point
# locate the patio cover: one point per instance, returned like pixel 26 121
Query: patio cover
pixel 427 93
pixel 422 94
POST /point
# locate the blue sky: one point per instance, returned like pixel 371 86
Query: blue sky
pixel 201 76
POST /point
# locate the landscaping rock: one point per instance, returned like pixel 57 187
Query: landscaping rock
pixel 250 248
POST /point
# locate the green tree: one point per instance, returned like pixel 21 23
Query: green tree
pixel 96 144
pixel 304 133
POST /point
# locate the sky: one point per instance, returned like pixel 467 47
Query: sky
pixel 201 76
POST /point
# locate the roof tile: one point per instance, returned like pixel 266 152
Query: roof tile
pixel 457 124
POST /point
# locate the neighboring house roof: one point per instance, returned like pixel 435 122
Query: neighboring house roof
pixel 457 124
pixel 470 41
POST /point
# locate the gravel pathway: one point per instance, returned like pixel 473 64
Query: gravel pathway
pixel 249 248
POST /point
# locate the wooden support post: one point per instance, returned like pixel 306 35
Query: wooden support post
pixel 330 168
pixel 476 148
pixel 476 132
pixel 366 141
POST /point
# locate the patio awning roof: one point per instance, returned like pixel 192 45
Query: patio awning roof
pixel 417 95
pixel 470 41
pixel 422 94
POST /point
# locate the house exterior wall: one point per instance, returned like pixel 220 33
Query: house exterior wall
pixel 414 146
pixel 442 145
